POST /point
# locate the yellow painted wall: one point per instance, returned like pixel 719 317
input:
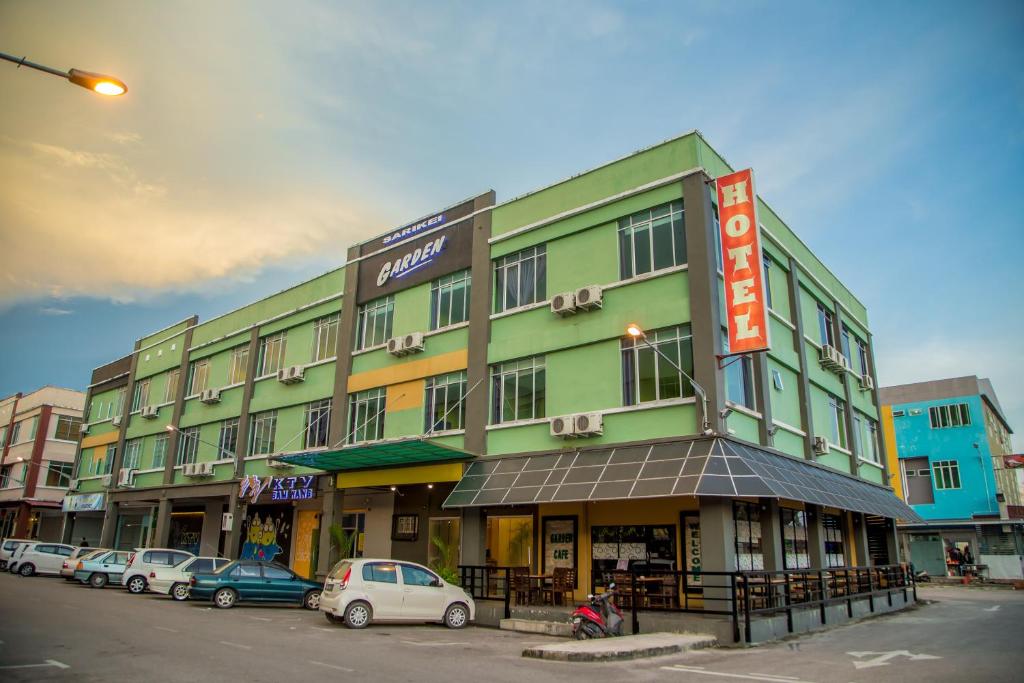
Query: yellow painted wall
pixel 409 371
pixel 100 439
pixel 395 476
pixel 891 455
pixel 405 395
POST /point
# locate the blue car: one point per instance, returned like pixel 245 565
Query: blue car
pixel 247 580
pixel 103 569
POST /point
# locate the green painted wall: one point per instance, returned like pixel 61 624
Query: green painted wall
pixel 434 345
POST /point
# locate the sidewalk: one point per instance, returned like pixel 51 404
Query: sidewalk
pixel 626 647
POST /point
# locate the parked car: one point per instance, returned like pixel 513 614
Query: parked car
pixel 41 558
pixel 173 581
pixel 102 568
pixel 359 591
pixel 7 549
pixel 145 560
pixel 246 580
pixel 67 569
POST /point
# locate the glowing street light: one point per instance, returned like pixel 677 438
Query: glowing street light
pixel 100 83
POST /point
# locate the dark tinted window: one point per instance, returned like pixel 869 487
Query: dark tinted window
pixel 200 566
pixel 65 550
pixel 48 549
pixel 270 572
pixel 155 557
pixel 414 576
pixel 380 571
pixel 177 558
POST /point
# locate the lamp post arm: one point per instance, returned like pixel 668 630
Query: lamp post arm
pixel 208 443
pixel 705 422
pixel 21 61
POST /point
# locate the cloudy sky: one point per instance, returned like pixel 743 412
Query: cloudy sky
pixel 259 138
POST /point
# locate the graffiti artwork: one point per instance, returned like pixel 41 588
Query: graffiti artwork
pixel 267 532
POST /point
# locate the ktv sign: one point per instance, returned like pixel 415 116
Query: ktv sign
pixel 745 304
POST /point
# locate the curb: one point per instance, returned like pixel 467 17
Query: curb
pixel 625 653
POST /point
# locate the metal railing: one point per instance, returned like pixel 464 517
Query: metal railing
pixel 486 582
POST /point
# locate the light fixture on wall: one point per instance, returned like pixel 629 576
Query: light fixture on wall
pixel 430 486
pixel 725 412
pixel 773 430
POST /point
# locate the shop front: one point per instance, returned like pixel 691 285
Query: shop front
pixel 83 517
pixel 280 520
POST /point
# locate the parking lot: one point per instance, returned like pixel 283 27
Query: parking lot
pixel 53 630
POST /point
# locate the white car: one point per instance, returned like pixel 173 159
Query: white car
pixel 146 560
pixel 8 547
pixel 173 581
pixel 359 591
pixel 67 568
pixel 41 558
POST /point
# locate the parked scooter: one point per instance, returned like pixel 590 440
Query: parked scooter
pixel 599 618
pixel 922 577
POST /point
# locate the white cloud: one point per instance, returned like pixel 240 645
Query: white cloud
pixel 52 310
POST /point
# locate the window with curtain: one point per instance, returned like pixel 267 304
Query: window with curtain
pixel 520 279
pixel 518 390
pixel 835 555
pixel 445 407
pixel 375 322
pixel 747 532
pixel 795 553
pixel 449 300
pixel 652 240
pixel 647 376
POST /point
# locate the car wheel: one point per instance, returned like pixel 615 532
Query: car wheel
pixel 312 600
pixel 225 598
pixel 333 618
pixel 98 580
pixel 456 616
pixel 27 569
pixel 136 584
pixel 358 615
pixel 179 591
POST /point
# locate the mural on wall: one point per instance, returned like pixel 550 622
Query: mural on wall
pixel 186 531
pixel 267 533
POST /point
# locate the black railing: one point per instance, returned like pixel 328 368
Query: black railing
pixel 485 582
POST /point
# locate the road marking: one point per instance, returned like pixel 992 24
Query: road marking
pixel 994 608
pixel 781 678
pixel 331 666
pixel 164 628
pixel 48 662
pixel 883 658
pixel 261 618
pixel 244 647
pixel 749 677
pixel 422 644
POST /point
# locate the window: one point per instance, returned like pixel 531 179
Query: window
pixel 952 415
pixel 739 376
pixel 3 436
pixel 844 346
pixel 140 397
pixel 870 449
pixel 837 416
pixel 188 446
pixel 652 240
pixel 794 539
pixel 375 320
pixel 239 366
pixel 414 576
pixel 767 260
pixel 325 337
pixel 832 526
pixel 518 390
pixel 171 388
pixel 117 408
pixel 899 413
pixel 262 430
pixel 381 572
pixel 449 300
pixel 862 356
pixel 520 279
pixel 366 415
pixel 271 354
pixel 160 451
pixel 59 473
pixel 198 376
pixel 5 476
pixel 68 428
pixel 445 404
pixel 777 380
pixel 106 465
pixel 946 474
pixel 35 426
pixel 647 376
pixel 227 440
pixel 318 423
pixel 15 432
pixel 826 330
pixel 280 573
pixel 747 525
pixel 132 454
pixel 202 565
pixel 246 571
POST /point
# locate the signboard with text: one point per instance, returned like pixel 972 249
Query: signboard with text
pixel 559 540
pixel 277 489
pixel 746 307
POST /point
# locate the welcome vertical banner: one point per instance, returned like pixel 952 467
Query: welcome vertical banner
pixel 745 304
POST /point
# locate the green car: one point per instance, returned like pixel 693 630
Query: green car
pixel 250 581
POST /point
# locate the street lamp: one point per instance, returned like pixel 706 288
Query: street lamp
pixel 637 332
pixel 101 83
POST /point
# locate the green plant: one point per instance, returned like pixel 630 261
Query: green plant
pixel 444 563
pixel 342 541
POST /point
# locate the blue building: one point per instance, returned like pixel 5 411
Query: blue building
pixel 948 442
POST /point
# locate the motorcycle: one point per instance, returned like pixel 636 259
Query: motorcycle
pixel 600 617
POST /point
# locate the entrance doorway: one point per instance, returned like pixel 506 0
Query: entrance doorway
pixel 444 538
pixel 510 541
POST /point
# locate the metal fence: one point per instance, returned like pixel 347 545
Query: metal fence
pixel 486 582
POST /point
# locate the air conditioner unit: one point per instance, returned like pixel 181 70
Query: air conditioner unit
pixel 210 396
pixel 189 469
pixel 820 445
pixel 150 412
pixel 395 346
pixel 84 429
pixel 106 479
pixel 116 420
pixel 589 298
pixel 126 477
pixel 867 383
pixel 412 342
pixel 73 485
pixel 204 469
pixel 564 426
pixel 589 424
pixel 291 375
pixel 563 304
pixel 832 359
pixel 278 465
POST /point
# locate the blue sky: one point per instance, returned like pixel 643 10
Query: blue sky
pixel 258 139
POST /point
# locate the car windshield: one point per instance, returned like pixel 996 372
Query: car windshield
pixel 340 569
pixel 221 569
pixel 93 554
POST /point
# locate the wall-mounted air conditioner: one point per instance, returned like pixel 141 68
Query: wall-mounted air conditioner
pixel 412 342
pixel 126 477
pixel 84 429
pixel 291 375
pixel 867 383
pixel 831 359
pixel 589 424
pixel 73 485
pixel 395 346
pixel 590 297
pixel 210 396
pixel 278 465
pixel 106 479
pixel 563 304
pixel 820 445
pixel 563 426
pixel 149 412
pixel 116 420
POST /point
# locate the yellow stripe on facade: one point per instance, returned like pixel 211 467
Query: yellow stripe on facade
pixel 100 439
pixel 891 456
pixel 406 395
pixel 423 474
pixel 406 372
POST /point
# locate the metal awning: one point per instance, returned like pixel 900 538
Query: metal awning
pixel 715 466
pixel 388 453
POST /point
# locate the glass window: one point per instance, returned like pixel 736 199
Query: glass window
pixel 262 431
pixel 747 528
pixel 156 557
pixel 951 415
pixel 449 300
pixel 245 570
pixel 171 386
pixel 198 376
pixel 366 415
pixel 445 407
pixel 794 539
pixel 415 576
pixel 739 376
pixel 947 474
pixel 518 391
pixel 652 240
pixel 58 474
pixel 132 454
pixel 280 573
pixel 837 415
pixel 647 376
pixel 510 540
pixel 227 441
pixel 844 341
pixel 835 555
pixel 325 337
pixel 272 349
pixel 68 428
pixel 862 357
pixel 767 260
pixel 188 445
pixel 107 463
pixel 239 365
pixel 643 546
pixel 140 399
pixel 160 451
pixel 117 408
pixel 444 547
pixel 826 331
pixel 375 322
pixel 5 477
pixel 381 572
pixel 202 565
pixel 317 424
pixel 520 279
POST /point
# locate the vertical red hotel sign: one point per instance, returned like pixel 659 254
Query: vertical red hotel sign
pixel 746 306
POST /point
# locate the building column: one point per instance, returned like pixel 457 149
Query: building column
pixel 338 433
pixel 883 451
pixel 847 380
pixel 479 328
pixel 209 540
pixel 859 542
pixel 109 525
pixel 892 543
pixel 242 441
pixel 804 390
pixel 122 430
pixel 763 398
pixel 331 511
pixel 815 537
pixel 232 540
pixel 771 535
pixel 717 549
pixel 473 542
pixel 171 457
pixel 162 532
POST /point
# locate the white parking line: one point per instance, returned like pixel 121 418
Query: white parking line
pixel 422 644
pixel 48 662
pixel 781 678
pixel 261 619
pixel 164 628
pixel 239 645
pixel 994 608
pixel 331 666
pixel 750 677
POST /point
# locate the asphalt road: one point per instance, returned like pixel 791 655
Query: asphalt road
pixel 56 631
